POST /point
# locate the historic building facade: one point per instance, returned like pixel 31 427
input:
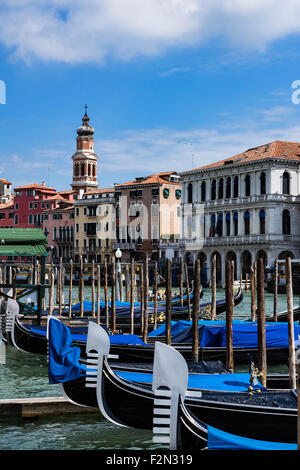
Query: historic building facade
pixel 243 208
pixel 147 211
pixel 95 227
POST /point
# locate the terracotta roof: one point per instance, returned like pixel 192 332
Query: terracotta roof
pixel 7 204
pixel 99 191
pixel 5 181
pixel 36 186
pixel 57 197
pixel 151 179
pixel 274 150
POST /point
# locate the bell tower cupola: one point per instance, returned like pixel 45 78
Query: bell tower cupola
pixel 84 159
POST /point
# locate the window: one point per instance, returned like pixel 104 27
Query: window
pixel 54 233
pixel 77 211
pixel 155 192
pixel 190 193
pixel 219 228
pixel 236 186
pixel 262 221
pixel 30 219
pixel 212 225
pixel 263 183
pixel 16 219
pixel 247 222
pixel 213 190
pixel 247 185
pixel 91 229
pixel 286 183
pixel 228 224
pixel 235 223
pixel 228 187
pixel 221 189
pixel 203 191
pixel 286 222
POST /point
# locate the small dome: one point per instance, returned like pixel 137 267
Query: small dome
pixel 85 128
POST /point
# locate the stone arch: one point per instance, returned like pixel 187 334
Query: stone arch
pixel 203 267
pixel 230 255
pixel 246 262
pixel 218 266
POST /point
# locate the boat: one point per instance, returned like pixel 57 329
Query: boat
pixel 128 403
pixel 132 349
pixel 183 430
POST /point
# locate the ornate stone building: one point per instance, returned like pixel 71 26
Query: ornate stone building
pixel 242 208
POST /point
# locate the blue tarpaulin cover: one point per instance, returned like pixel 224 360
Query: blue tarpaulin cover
pixel 238 382
pixel 213 333
pixel 221 440
pixel 63 355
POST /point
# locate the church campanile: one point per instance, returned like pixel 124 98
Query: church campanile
pixel 84 159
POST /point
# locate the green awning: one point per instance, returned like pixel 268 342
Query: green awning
pixel 22 242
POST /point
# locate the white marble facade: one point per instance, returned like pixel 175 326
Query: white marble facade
pixel 257 209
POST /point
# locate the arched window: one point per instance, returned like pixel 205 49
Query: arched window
pixel 76 170
pixel 286 183
pixel 247 222
pixel 228 224
pixel 228 187
pixel 219 228
pixel 263 183
pixel 262 221
pixel 213 190
pixel 89 169
pixel 190 193
pixel 203 191
pixel 236 186
pixel 221 189
pixel 247 185
pixel 212 225
pixel 82 169
pixel 94 170
pixel 235 223
pixel 286 222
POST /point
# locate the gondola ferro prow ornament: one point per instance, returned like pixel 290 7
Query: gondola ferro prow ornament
pixel 168 384
pixel 8 319
pixel 97 350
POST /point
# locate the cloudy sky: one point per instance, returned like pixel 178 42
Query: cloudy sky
pixel 169 84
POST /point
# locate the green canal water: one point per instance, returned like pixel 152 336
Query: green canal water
pixel 24 375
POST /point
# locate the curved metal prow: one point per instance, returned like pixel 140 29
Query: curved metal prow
pixel 170 381
pixel 97 349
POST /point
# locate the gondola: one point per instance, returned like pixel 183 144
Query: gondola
pixel 132 404
pixel 33 339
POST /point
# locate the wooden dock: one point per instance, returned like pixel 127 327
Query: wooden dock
pixel 45 406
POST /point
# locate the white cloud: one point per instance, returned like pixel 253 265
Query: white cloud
pixel 76 31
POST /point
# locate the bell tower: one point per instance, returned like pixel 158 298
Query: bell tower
pixel 84 159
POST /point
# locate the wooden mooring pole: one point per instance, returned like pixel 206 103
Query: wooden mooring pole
pixel 106 294
pixel 253 288
pixel 155 289
pixel 196 312
pixel 93 289
pixel 229 316
pixel 168 301
pixel 70 288
pixel 213 288
pixel 81 286
pixel 181 282
pixel 141 299
pixel 146 297
pixel 132 296
pixel 187 286
pixel 275 289
pixel 98 292
pixel 113 295
pixel 261 325
pixel 289 299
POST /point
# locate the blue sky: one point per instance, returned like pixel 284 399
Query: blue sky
pixel 170 85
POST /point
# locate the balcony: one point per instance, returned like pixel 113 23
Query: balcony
pixel 241 240
pixel 124 246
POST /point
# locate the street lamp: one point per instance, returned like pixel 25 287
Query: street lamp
pixel 118 255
